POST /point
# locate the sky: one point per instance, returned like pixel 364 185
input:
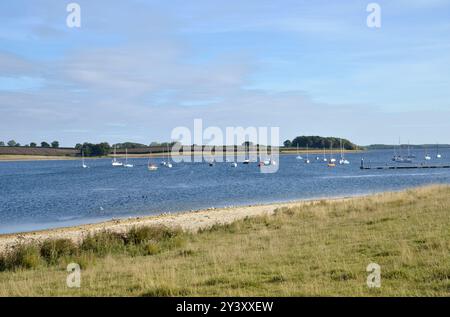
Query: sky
pixel 135 70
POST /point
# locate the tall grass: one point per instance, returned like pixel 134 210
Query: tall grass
pixel 148 240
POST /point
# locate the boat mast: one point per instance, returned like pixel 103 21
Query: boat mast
pixel 331 150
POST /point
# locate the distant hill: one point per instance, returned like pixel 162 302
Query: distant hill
pixel 318 142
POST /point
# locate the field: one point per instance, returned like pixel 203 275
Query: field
pixel 320 249
pixel 35 151
pixel 14 157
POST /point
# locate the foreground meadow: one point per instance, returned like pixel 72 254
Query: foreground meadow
pixel 321 249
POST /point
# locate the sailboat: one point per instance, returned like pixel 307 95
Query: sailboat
pixel 438 155
pixel 307 155
pixel 83 164
pixel 115 162
pixel 324 156
pixel 410 156
pixel 298 156
pixel 342 160
pixel 332 159
pixel 151 166
pixel 395 158
pixel 126 160
pixel 269 162
pixel 168 164
pixel 246 156
pixel 427 156
pixel 398 157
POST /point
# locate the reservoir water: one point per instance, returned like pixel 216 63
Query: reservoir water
pixel 47 194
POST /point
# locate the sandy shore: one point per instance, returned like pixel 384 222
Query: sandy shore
pixel 191 221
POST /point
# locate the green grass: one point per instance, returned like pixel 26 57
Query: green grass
pixel 318 249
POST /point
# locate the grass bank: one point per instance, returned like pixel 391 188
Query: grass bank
pixel 316 249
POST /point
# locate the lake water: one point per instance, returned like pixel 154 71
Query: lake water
pixel 46 194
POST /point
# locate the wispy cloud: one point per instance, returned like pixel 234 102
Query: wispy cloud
pixel 137 69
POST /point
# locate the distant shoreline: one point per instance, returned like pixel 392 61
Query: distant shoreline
pixel 18 158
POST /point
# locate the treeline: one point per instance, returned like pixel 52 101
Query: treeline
pixel 406 146
pixel 132 145
pixel 12 143
pixel 104 148
pixel 90 149
pixel 318 142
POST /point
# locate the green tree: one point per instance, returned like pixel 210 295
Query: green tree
pixel 2 143
pixel 287 143
pixel 318 142
pixel 100 149
pixel 129 145
pixel 55 144
pixel 12 143
pixel 45 144
pixel 32 144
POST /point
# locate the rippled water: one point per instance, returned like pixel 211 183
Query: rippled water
pixel 45 194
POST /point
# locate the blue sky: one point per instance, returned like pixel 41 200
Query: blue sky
pixel 137 69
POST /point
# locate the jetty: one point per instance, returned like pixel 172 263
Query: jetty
pixel 400 167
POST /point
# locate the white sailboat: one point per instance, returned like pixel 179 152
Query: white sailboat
pixel 324 156
pixel 269 162
pixel 343 161
pixel 115 162
pixel 438 155
pixel 126 160
pixel 150 165
pixel 246 155
pixel 168 164
pixel 307 155
pixel 332 159
pixel 83 164
pixel 298 156
pixel 427 156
